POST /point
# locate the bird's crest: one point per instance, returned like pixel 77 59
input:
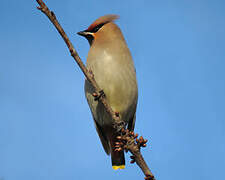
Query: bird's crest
pixel 102 20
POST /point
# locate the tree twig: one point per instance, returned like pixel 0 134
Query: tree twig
pixel 130 145
pixel 127 142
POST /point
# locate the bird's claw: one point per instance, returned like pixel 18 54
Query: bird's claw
pixel 98 95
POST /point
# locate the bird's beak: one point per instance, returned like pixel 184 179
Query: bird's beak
pixel 88 35
pixel 84 33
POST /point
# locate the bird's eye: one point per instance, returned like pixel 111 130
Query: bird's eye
pixel 96 28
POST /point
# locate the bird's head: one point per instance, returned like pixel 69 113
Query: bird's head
pixel 98 27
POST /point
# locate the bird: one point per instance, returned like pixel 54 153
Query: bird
pixel 110 61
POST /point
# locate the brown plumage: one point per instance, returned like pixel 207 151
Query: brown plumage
pixel 111 63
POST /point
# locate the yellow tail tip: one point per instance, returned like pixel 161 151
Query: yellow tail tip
pixel 118 167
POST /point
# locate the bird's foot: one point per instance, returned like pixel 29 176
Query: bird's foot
pixel 98 95
pixel 119 125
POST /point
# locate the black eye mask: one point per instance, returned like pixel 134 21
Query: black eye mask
pixel 96 28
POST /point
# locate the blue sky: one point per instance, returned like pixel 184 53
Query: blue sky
pixel 46 129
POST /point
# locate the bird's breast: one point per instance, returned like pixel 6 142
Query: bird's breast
pixel 114 72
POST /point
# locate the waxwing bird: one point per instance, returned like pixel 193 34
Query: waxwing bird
pixel 110 61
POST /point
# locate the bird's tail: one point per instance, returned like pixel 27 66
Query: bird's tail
pixel 117 157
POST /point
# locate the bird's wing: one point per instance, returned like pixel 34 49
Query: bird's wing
pixel 94 110
pixel 103 138
pixel 132 120
pixel 131 123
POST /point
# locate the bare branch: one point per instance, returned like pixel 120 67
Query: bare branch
pixel 130 145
